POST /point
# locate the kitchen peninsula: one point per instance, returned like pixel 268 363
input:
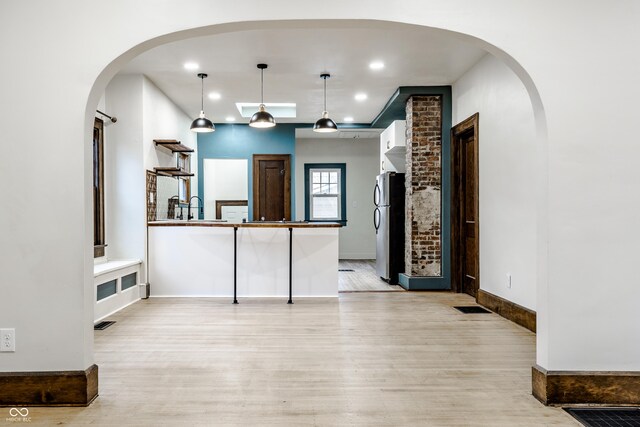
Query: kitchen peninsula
pixel 196 258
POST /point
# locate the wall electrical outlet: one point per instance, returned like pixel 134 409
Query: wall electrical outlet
pixel 8 340
pixel 509 280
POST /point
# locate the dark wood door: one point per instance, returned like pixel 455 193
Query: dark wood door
pixel 464 207
pixel 271 187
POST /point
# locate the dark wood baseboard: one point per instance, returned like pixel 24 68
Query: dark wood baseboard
pixel 65 388
pixel 576 387
pixel 507 309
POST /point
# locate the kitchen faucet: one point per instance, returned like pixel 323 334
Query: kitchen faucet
pixel 178 205
pixel 189 215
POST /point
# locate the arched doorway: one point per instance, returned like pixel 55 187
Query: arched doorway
pixel 509 61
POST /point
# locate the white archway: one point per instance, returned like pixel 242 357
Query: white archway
pixel 120 61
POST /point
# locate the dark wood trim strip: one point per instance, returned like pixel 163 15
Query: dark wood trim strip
pixel 98 190
pixel 59 388
pixel 507 309
pixel 458 223
pixel 221 203
pixel 578 387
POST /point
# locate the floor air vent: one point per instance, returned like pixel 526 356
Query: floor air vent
pixel 102 325
pixel 606 417
pixel 342 270
pixel 472 309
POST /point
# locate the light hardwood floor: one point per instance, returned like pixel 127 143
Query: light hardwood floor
pixel 363 278
pixel 366 359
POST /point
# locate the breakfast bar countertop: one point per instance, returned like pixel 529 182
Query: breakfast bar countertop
pixel 250 224
pixel 200 258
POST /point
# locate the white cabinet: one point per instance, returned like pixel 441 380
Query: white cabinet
pixel 393 138
pixel 392 147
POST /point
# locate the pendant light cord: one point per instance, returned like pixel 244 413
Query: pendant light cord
pixel 261 86
pixel 325 94
pixel 202 94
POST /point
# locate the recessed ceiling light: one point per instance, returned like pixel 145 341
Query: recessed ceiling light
pixel 376 65
pixel 230 119
pixel 360 96
pixel 191 66
pixel 214 95
pixel 348 119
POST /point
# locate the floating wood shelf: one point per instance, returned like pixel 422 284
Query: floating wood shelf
pixel 173 145
pixel 172 171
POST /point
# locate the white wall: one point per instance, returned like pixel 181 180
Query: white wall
pixel 165 120
pixel 125 181
pixel 224 179
pixel 144 113
pixel 587 225
pixel 507 143
pixel 358 238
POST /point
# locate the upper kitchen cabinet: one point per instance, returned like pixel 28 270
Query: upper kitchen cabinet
pixel 392 147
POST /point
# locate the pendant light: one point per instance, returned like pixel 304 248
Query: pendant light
pixel 262 119
pixel 202 124
pixel 325 124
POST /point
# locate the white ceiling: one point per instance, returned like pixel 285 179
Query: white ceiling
pixel 296 57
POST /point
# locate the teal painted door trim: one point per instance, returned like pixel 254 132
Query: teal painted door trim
pixel 343 188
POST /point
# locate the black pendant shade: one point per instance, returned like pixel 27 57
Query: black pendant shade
pixel 262 118
pixel 202 124
pixel 325 124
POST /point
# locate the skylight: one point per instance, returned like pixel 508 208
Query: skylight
pixel 285 110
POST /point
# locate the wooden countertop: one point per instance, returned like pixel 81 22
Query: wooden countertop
pixel 257 224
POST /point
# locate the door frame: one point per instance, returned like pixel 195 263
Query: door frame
pixel 256 182
pixel 460 130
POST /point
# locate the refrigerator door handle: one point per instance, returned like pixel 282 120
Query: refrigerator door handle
pixel 376 219
pixel 376 195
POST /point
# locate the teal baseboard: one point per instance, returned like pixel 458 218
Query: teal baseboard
pixel 421 283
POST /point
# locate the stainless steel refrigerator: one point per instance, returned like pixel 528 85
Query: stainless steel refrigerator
pixel 388 220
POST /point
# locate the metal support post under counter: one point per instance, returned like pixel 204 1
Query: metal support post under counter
pixel 235 265
pixel 290 264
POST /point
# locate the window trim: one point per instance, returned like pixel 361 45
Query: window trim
pixel 343 190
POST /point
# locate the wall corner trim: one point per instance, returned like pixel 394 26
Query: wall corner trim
pixel 55 388
pixel 557 388
pixel 509 310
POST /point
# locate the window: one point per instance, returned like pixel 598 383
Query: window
pixel 325 192
pixel 184 190
pixel 98 189
pixel 184 183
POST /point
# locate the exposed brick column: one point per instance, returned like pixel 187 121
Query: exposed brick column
pixel 423 253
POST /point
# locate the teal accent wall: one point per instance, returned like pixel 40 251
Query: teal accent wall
pixel 240 141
